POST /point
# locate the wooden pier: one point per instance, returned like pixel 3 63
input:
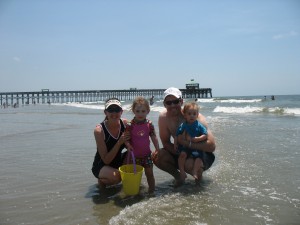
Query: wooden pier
pixel 46 96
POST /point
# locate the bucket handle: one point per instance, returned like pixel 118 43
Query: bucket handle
pixel 133 160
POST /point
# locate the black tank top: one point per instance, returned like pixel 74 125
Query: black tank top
pixel 110 141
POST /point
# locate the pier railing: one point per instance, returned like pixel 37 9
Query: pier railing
pixel 45 96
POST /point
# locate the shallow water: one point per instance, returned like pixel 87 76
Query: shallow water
pixel 47 153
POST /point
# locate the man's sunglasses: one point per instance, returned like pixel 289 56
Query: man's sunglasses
pixel 174 102
pixel 113 110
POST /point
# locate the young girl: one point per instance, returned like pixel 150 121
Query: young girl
pixel 141 129
pixel 195 132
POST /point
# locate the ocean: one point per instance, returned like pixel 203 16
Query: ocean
pixel 47 153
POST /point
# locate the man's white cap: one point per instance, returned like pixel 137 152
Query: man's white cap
pixel 113 102
pixel 173 91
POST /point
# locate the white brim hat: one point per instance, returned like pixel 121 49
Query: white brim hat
pixel 173 91
pixel 113 102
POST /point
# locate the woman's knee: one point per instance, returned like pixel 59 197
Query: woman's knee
pixel 109 175
pixel 116 177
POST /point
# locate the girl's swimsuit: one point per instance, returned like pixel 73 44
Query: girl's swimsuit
pixel 140 133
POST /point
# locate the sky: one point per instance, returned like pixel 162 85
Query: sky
pixel 237 48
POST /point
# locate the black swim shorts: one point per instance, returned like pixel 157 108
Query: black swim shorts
pixel 208 159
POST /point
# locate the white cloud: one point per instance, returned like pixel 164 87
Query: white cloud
pixel 285 35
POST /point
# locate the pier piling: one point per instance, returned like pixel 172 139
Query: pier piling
pixel 46 96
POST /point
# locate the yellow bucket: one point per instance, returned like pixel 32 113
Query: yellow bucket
pixel 131 181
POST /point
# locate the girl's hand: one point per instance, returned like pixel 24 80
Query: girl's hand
pixel 154 155
pixel 129 148
pixel 122 139
pixel 127 136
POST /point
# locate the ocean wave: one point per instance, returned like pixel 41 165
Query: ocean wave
pixel 100 106
pixel 213 105
pixel 228 100
pixel 250 109
pixel 204 100
pixel 81 105
pixel 238 100
pixel 294 111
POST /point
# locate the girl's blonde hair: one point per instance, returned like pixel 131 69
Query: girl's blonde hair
pixel 140 100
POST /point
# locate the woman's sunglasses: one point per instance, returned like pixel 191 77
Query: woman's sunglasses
pixel 113 110
pixel 174 102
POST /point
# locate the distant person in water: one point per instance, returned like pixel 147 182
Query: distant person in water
pixel 195 132
pixel 273 97
pixel 152 100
